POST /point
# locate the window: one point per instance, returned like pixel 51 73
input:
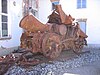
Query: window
pixel 82 23
pixel 30 4
pixel 3 18
pixel 81 4
pixel 83 26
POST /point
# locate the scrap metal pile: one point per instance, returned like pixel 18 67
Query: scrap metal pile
pixel 59 33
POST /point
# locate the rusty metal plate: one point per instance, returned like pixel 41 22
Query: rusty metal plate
pixel 32 24
pixel 62 29
pixel 50 45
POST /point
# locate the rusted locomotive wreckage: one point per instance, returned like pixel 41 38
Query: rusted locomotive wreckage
pixel 59 33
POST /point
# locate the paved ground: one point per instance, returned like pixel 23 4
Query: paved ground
pixel 90 69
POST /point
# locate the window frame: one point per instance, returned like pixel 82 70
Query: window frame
pixel 83 20
pixel 1 22
pixel 30 4
pixel 81 4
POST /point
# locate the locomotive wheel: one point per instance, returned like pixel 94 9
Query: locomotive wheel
pixel 50 45
pixel 78 49
pixel 78 46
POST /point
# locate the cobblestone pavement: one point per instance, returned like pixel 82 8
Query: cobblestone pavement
pixel 84 64
pixel 88 69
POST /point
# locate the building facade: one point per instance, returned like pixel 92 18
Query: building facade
pixel 10 16
pixel 86 12
pixel 11 13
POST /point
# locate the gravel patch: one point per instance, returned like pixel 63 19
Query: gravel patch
pixel 56 67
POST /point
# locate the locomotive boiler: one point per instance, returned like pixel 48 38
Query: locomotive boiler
pixel 58 34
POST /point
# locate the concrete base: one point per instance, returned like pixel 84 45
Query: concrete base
pixel 6 51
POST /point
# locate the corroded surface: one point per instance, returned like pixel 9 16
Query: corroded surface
pixel 59 33
pixel 42 41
